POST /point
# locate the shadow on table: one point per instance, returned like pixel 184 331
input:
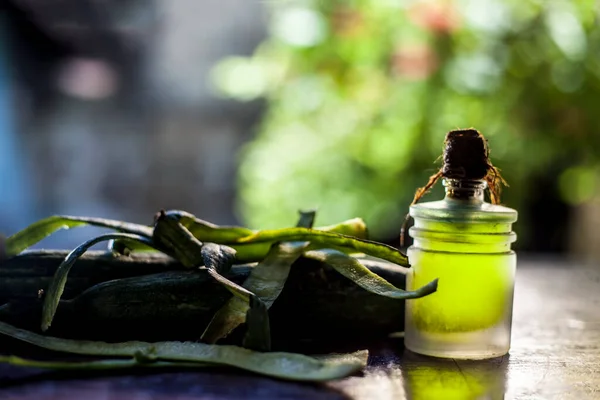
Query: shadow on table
pixel 161 384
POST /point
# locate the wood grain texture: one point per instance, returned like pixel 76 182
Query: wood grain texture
pixel 555 354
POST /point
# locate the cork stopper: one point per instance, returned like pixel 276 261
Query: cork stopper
pixel 466 155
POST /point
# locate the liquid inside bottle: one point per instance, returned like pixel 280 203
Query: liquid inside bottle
pixel 465 242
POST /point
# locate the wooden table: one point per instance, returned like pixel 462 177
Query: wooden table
pixel 555 354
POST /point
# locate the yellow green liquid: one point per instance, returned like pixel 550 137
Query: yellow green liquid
pixel 474 290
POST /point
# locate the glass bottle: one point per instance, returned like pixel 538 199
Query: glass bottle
pixel 465 242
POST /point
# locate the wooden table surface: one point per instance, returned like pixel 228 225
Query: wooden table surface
pixel 555 354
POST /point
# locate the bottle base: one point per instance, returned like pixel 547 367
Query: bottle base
pixel 463 346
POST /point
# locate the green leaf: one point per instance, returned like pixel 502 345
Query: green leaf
pixel 276 364
pixel 231 235
pixel 353 227
pixel 258 326
pixel 171 235
pixel 208 232
pixel 57 285
pixel 218 257
pixel 45 227
pixel 126 247
pixel 352 269
pixel 328 240
pixel 176 240
pixel 266 281
pixel 229 315
pixel 307 218
pixel 105 364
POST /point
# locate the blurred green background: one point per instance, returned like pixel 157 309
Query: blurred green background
pixel 244 111
pixel 360 94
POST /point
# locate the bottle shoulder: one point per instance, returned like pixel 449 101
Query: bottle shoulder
pixel 460 210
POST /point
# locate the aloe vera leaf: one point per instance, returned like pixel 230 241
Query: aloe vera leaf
pixel 218 257
pixel 258 326
pixel 306 218
pixel 329 239
pixel 208 232
pixel 47 226
pixel 276 364
pixel 126 247
pixel 57 285
pixel 254 252
pixel 352 227
pixel 266 280
pixel 352 269
pixel 257 336
pixel 106 364
pixel 176 240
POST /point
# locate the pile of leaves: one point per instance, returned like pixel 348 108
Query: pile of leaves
pixel 198 244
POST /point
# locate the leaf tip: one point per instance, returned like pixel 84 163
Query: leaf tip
pixel 432 286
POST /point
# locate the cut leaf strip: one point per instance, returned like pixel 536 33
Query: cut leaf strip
pixel 57 286
pixel 227 318
pixel 266 281
pixel 352 269
pixel 109 364
pixel 329 239
pixel 46 227
pixel 276 364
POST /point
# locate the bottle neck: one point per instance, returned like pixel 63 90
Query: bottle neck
pixel 465 190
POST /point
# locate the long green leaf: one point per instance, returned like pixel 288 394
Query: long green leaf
pixel 276 364
pixel 45 227
pixel 352 227
pixel 105 364
pixel 208 232
pixel 329 239
pixel 352 269
pixel 57 285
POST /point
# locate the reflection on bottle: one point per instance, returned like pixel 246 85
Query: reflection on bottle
pixel 427 378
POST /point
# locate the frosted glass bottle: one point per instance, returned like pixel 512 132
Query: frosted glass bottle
pixel 466 243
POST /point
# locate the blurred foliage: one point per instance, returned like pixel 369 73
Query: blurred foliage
pixel 360 95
